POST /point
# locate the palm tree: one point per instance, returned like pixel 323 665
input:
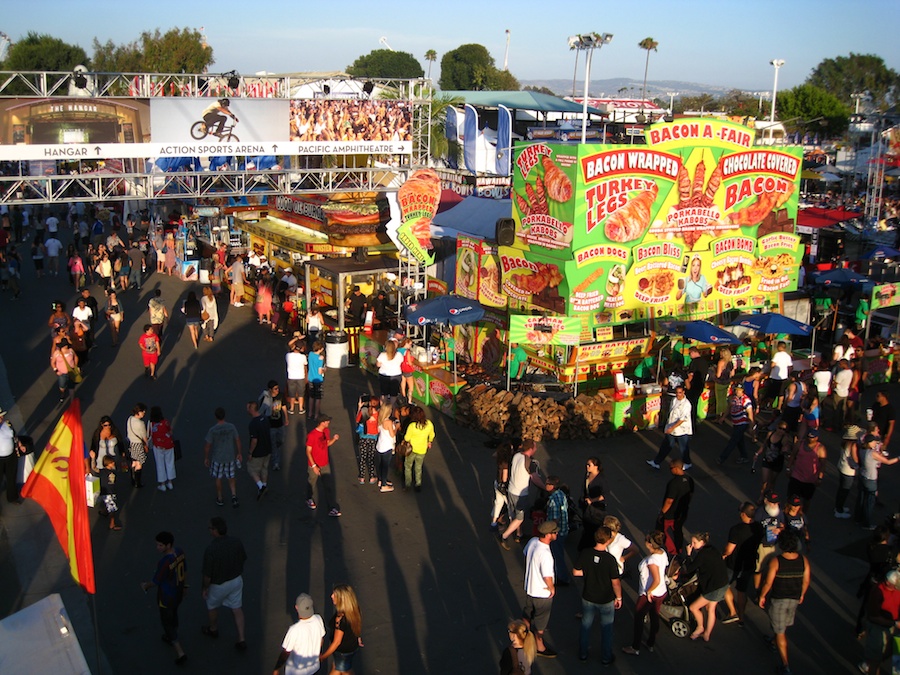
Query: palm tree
pixel 431 57
pixel 647 43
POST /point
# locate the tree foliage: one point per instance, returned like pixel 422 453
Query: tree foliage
pixel 175 51
pixel 44 52
pixel 471 67
pixel 386 63
pixel 808 103
pixel 857 73
pixel 540 90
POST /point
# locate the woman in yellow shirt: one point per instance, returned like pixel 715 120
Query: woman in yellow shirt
pixel 420 434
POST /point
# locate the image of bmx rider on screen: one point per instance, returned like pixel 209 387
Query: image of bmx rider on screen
pixel 214 117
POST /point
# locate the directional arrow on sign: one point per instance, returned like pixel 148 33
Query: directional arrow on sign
pixel 97 149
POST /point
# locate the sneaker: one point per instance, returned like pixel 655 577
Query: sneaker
pixel 219 502
pixel 504 544
pixel 334 513
pixel 261 491
pixel 731 619
pixel 842 514
pixel 494 527
pixel 241 646
pixel 386 488
pixel 234 502
pixel 742 460
pixel 653 464
pixel 161 487
pixel 687 466
pixel 863 667
pixel 631 650
pixel 608 663
pixel 310 503
pixel 181 660
pixel 548 653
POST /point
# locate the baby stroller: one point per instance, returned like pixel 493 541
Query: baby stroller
pixel 674 609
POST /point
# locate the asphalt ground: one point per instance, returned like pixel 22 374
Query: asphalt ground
pixel 435 589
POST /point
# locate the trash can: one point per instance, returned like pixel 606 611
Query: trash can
pixel 337 349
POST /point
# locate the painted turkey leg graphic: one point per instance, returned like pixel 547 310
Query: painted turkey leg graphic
pixel 632 220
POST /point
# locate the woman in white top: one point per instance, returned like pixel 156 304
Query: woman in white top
pixel 847 466
pixel 390 370
pixel 314 324
pixel 106 441
pixel 652 590
pixel 138 442
pixel 208 305
pixel 384 447
pixel 620 547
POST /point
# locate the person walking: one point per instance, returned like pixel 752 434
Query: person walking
pixel 848 464
pixel 540 585
pixel 787 580
pixel 296 363
pixel 522 472
pixel 260 449
pixel 318 441
pixel 209 314
pixel 163 444
pixel 223 581
pixel 695 384
pixel 712 581
pixel 519 655
pixel 159 313
pixel 302 643
pixel 593 502
pixel 807 466
pixel 271 404
pixel 346 630
pixel 222 453
pixel 740 557
pixel 601 595
pixel 193 312
pixel 678 431
pixel 420 435
pixel 503 457
pixel 149 343
pixel 651 591
pixel 674 510
pixel 138 443
pixel 740 410
pixel 170 580
pixel 871 457
pixel 558 510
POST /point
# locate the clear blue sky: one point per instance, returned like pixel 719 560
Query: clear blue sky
pixel 716 42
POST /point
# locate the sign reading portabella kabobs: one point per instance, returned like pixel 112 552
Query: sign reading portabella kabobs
pixel 697 221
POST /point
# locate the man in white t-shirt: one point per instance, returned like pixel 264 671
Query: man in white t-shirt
pixel 303 641
pixel 843 378
pixel 521 475
pixel 540 584
pixel 778 375
pixel 53 246
pixel 52 224
pixel 296 375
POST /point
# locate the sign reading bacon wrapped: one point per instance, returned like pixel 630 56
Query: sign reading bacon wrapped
pixel 678 226
pixel 418 198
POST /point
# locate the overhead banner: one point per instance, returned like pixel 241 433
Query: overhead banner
pixel 185 120
pixel 544 330
pixel 697 220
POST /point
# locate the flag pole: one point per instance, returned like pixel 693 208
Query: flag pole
pixel 93 598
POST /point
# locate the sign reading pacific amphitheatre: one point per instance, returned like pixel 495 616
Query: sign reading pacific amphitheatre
pixel 696 222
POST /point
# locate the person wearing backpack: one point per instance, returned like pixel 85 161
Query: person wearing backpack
pixel 271 404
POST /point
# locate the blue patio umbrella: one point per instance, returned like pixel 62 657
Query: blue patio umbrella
pixel 841 277
pixel 444 309
pixel 882 252
pixel 701 331
pixel 772 322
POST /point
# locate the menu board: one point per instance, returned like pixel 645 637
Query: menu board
pixel 697 221
pixel 478 272
pixel 884 296
pixel 544 330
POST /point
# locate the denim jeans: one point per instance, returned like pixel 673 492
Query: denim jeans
pixel 276 435
pixel 558 549
pixel 737 439
pixel 675 442
pixel 865 500
pixel 383 467
pixel 843 491
pixel 607 613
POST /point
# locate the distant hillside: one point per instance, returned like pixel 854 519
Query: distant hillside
pixel 632 88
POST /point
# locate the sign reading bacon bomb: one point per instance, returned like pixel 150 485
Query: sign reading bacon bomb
pixel 685 224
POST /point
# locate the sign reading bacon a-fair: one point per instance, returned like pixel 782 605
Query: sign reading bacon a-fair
pixel 699 219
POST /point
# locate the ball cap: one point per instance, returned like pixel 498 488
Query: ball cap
pixel 794 500
pixel 304 606
pixel 772 498
pixel 812 433
pixel 548 527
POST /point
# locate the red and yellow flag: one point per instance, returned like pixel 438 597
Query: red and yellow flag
pixel 57 484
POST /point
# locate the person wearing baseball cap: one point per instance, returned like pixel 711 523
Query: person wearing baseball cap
pixel 771 519
pixel 303 641
pixel 795 520
pixel 9 460
pixel 540 584
pixel 807 466
pixel 871 458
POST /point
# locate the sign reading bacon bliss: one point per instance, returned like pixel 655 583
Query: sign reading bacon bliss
pixel 683 225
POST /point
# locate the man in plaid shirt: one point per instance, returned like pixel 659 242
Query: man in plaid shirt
pixel 558 510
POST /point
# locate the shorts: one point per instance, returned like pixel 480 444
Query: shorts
pixel 225 470
pixel 762 554
pixel 344 662
pixel 515 506
pixel 776 465
pixel 193 322
pixel 315 390
pixel 150 359
pixel 781 614
pixel 228 594
pixel 878 638
pixel 803 490
pixel 741 580
pixel 716 595
pixel 537 611
pixel 775 388
pixel 295 388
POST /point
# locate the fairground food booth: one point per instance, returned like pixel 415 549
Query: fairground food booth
pixel 696 223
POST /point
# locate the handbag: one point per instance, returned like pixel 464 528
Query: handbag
pixel 75 374
pixel 204 315
pixel 177 449
pixel 404 448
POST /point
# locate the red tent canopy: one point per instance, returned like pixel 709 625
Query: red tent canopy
pixel 806 219
pixel 834 215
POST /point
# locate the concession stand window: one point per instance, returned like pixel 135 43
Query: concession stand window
pixel 342 273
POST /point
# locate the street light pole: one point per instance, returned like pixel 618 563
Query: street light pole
pixel 777 63
pixel 587 42
pixel 672 95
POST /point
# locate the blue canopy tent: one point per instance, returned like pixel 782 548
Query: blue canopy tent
pixel 476 216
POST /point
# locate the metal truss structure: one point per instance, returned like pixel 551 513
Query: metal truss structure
pixel 85 184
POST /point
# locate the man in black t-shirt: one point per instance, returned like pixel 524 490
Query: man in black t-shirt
pixel 602 594
pixel 356 306
pixel 883 416
pixel 272 405
pixel 674 510
pixel 260 449
pixel 740 556
pixel 696 381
